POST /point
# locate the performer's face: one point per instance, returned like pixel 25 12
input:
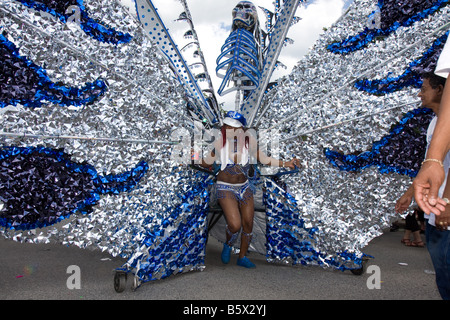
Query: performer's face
pixel 227 127
pixel 232 133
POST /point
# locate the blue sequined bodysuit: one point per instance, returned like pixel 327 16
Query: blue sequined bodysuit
pixel 240 191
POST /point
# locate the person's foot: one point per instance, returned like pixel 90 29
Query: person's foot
pixel 406 242
pixel 419 244
pixel 409 243
pixel 246 263
pixel 226 253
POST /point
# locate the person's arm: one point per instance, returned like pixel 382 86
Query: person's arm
pixel 431 175
pixel 405 200
pixel 209 159
pixel 265 159
pixel 292 164
pixel 205 162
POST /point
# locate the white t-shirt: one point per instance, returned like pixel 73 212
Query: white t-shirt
pixel 443 65
pixel 442 69
pixel 430 132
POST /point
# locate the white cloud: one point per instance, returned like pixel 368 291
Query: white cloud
pixel 212 20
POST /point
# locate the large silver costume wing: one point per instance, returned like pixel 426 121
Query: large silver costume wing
pixel 88 108
pixel 350 112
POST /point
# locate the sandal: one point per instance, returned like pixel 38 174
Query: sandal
pixel 418 244
pixel 406 242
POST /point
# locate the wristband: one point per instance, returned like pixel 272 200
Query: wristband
pixel 433 160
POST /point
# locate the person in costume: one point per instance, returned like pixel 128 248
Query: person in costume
pixel 232 160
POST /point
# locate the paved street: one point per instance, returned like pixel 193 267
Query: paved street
pixel 30 271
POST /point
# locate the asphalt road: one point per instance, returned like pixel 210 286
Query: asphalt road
pixel 32 271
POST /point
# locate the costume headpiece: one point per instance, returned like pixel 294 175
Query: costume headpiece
pixel 235 119
pixel 244 15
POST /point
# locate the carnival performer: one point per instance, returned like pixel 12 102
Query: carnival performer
pixel 233 158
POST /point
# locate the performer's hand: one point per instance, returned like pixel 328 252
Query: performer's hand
pixel 294 163
pixel 426 188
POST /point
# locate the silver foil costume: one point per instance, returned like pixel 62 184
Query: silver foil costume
pixel 327 214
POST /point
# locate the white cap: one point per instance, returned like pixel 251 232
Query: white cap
pixel 235 119
pixel 232 122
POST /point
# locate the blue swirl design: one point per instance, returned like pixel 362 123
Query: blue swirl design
pixel 94 29
pixel 41 186
pixel 22 81
pixel 290 240
pixel 401 151
pixel 393 16
pixel 412 75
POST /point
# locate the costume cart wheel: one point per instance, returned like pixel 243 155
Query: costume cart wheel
pixel 360 271
pixel 120 281
pixel 136 283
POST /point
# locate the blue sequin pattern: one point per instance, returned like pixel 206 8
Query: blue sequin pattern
pixel 24 82
pixel 392 19
pixel 90 26
pixel 293 240
pixel 176 243
pixel 411 76
pixel 41 186
pixel 401 151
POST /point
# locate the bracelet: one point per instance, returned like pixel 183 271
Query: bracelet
pixel 433 160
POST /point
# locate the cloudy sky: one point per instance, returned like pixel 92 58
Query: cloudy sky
pixel 212 21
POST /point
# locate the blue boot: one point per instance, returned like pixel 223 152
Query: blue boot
pixel 246 263
pixel 226 253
